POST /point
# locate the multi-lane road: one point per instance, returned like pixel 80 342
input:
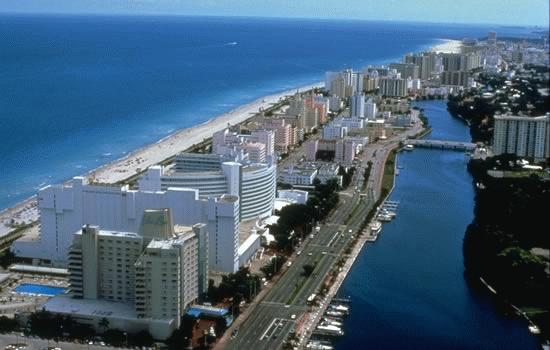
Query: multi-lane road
pixel 275 316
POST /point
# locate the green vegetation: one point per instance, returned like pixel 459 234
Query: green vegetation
pixel 8 324
pixel 7 258
pixel 389 173
pixel 479 111
pixel 296 220
pixel 235 286
pixel 274 266
pixel 510 220
pixel 49 326
pixel 308 270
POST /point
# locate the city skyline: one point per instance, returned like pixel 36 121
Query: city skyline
pixel 492 12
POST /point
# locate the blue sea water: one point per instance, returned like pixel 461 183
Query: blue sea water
pixel 408 289
pixel 79 91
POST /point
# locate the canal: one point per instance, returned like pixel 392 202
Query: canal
pixel 408 289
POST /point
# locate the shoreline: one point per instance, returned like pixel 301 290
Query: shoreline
pixel 132 163
pixel 139 159
pixel 447 46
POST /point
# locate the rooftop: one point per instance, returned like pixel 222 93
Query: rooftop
pixel 90 307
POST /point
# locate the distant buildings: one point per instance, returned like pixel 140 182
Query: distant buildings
pixel 357 105
pixel 492 38
pixel 370 109
pixel 523 136
pixel 310 110
pixel 393 87
pixel 426 62
pixel 407 70
pixel 344 84
pixel 304 175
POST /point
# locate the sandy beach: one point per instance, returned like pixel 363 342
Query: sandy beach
pixel 448 46
pixel 140 159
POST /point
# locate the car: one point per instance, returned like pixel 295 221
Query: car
pixel 234 333
pixel 298 252
pixel 309 254
pixel 287 306
pixel 289 263
pixel 293 317
pixel 324 253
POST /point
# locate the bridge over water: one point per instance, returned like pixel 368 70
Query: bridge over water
pixel 451 145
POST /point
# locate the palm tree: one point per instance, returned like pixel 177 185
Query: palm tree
pixel 104 323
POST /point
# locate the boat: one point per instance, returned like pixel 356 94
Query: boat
pixel 375 227
pixel 409 147
pixel 331 330
pixel 334 313
pixel 339 307
pixel 384 217
pixel 534 329
pixel 318 345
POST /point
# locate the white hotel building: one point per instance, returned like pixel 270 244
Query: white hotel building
pixel 254 183
pixel 136 281
pixel 523 136
pixel 64 209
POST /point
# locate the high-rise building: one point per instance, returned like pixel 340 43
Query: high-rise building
pixel 370 109
pixel 407 70
pixel 136 281
pixel 523 136
pixel 344 84
pixel 393 87
pixel 455 78
pixel 492 38
pixel 425 61
pixel 460 62
pixel 357 105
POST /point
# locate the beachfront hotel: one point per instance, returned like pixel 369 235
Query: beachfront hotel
pixel 523 136
pixel 212 175
pixel 64 209
pixel 136 281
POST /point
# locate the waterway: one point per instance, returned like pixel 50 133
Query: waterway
pixel 408 289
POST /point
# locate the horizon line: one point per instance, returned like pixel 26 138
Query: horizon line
pixel 332 19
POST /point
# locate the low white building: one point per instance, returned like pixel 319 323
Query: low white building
pixel 296 196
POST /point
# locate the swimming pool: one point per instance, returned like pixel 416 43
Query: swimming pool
pixel 39 289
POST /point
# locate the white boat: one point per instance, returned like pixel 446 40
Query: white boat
pixel 375 227
pixel 409 147
pixel 534 329
pixel 384 217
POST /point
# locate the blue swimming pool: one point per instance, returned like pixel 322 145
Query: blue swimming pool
pixel 39 289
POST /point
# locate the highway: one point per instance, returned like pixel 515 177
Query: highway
pixel 270 323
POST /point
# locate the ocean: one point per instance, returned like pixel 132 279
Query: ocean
pixel 77 92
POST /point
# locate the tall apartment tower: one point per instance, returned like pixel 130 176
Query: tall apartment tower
pixel 370 109
pixel 523 136
pixel 492 38
pixel 357 105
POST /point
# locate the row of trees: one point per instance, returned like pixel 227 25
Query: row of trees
pixel 47 325
pixel 296 220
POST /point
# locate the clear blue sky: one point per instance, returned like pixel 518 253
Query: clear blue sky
pixel 511 12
